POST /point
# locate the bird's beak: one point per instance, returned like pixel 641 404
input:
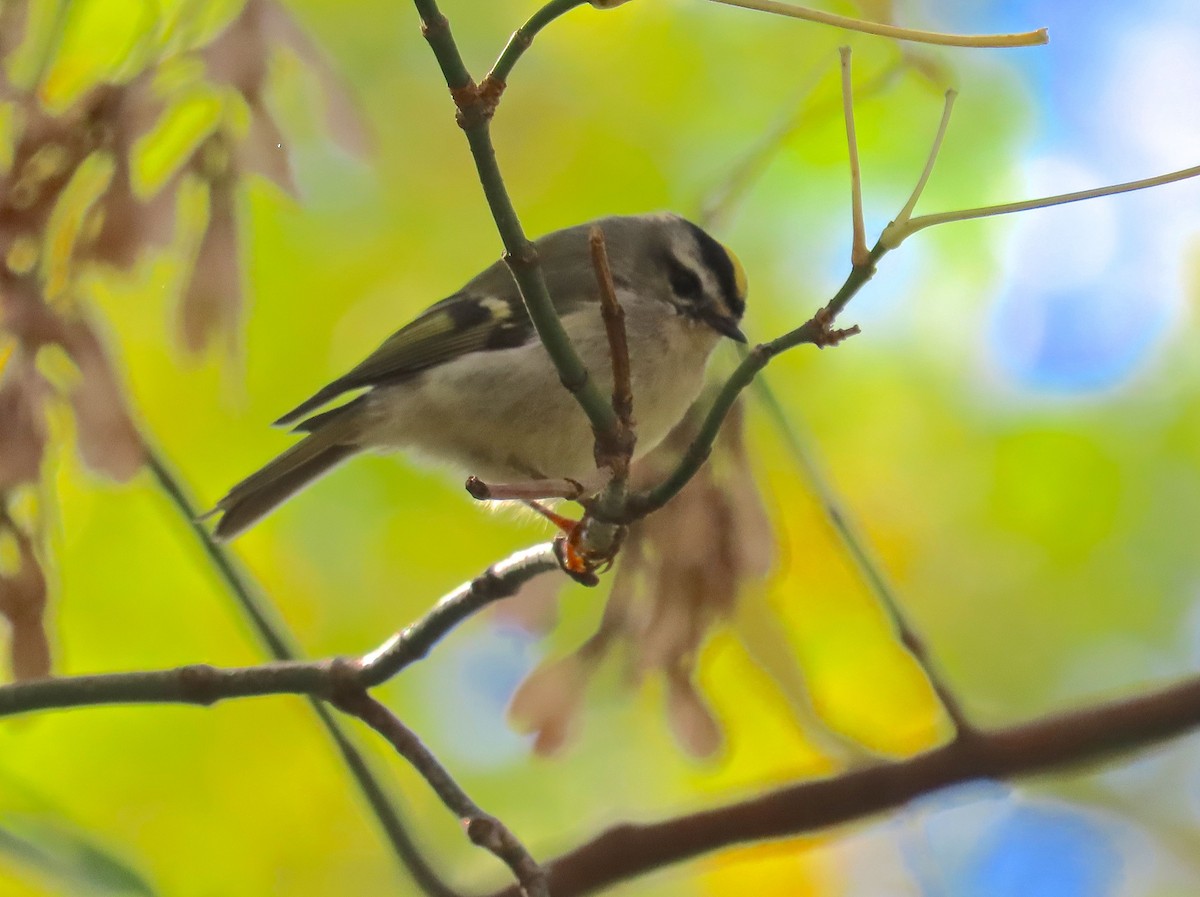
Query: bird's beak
pixel 726 326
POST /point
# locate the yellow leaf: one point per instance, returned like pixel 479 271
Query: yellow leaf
pixel 86 186
pixel 179 131
pixel 102 40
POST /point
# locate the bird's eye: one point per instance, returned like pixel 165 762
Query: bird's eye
pixel 685 282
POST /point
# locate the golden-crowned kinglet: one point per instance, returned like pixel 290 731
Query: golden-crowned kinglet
pixel 468 382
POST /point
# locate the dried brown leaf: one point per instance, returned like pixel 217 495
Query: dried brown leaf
pixel 264 152
pixel 343 120
pixel 547 703
pixel 23 432
pixel 108 441
pixel 692 723
pixel 23 604
pixel 214 295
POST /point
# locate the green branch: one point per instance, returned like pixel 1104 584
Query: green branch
pixel 474 117
pixel 816 330
pixel 523 37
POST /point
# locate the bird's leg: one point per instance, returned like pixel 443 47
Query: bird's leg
pixel 576 560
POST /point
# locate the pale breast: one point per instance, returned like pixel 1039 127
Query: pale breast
pixel 504 416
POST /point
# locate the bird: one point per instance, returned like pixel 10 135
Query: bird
pixel 468 382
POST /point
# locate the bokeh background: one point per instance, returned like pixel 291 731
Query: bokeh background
pixel 1017 431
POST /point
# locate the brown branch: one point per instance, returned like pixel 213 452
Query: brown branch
pixel 534 490
pixel 614 450
pixel 483 829
pixel 203 684
pixel 1052 743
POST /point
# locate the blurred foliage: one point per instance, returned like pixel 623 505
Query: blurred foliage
pixel 1040 527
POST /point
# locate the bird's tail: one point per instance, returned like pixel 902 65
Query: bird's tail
pixel 329 443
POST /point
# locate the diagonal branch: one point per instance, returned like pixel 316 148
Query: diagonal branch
pixel 817 331
pixel 1051 743
pixel 869 568
pixel 496 80
pixel 858 248
pixel 272 632
pixel 482 828
pixel 499 581
pixel 474 116
pixel 203 684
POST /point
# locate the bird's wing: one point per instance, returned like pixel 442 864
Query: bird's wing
pixel 463 323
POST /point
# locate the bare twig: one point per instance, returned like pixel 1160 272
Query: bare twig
pixel 856 545
pixel 858 246
pixel 1024 39
pixel 534 490
pixel 614 449
pixel 482 828
pixel 202 684
pixel 818 329
pixel 499 581
pixel 893 236
pixel 273 633
pixel 902 219
pixel 1051 743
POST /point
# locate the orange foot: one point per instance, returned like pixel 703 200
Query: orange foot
pixel 567 545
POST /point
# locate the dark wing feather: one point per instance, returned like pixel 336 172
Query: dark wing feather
pixel 463 323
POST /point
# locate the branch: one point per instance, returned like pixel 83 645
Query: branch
pixel 899 231
pixel 614 448
pixel 482 828
pixel 1023 39
pixel 858 246
pixel 817 331
pixel 474 115
pixel 870 570
pixel 1048 744
pixel 204 685
pixel 532 490
pixel 279 644
pixel 496 80
pixel 499 581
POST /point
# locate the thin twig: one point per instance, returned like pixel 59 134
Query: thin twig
pixel 906 212
pixel 501 580
pixel 533 490
pixel 496 80
pixel 1023 39
pixel 817 331
pixel 869 568
pixel 894 236
pixel 482 828
pixel 273 633
pixel 204 684
pixel 614 449
pixel 1051 743
pixel 858 245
